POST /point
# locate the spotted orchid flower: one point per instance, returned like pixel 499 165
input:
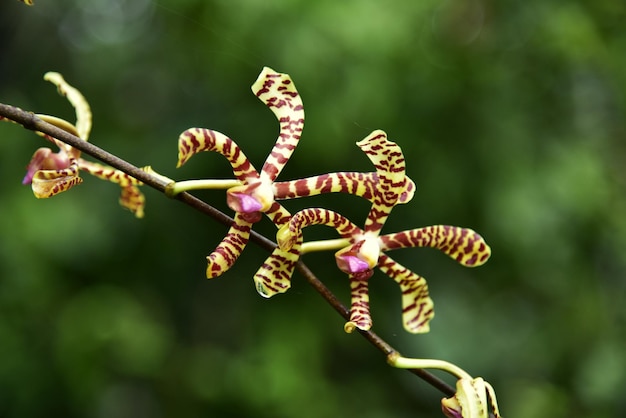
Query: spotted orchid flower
pixel 252 193
pixel 360 250
pixel 50 173
pixel 472 397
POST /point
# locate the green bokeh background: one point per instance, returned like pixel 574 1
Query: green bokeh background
pixel 511 117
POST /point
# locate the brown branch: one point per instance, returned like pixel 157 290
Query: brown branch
pixel 30 121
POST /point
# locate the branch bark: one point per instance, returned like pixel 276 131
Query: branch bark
pixel 30 121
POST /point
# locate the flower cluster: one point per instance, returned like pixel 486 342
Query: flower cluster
pixel 360 250
pixel 50 173
pixel 252 194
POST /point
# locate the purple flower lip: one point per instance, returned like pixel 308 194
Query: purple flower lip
pixel 351 264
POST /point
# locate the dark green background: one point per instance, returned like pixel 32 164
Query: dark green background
pixel 511 117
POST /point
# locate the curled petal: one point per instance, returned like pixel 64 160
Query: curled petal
pixel 388 159
pixel 408 191
pixel 131 197
pixel 77 100
pixel 61 124
pixel 278 214
pixel 358 184
pixel 227 252
pixel 359 303
pixel 288 233
pixel 47 183
pixel 108 173
pixel 470 400
pixel 417 306
pixel 279 93
pixel 133 200
pixel 195 140
pixel 463 244
pixel 274 276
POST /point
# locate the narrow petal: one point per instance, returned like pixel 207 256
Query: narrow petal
pixel 491 393
pixel 231 247
pixel 279 93
pixel 77 100
pixel 47 183
pixel 107 173
pixel 359 304
pixel 274 276
pixel 278 214
pixel 131 197
pixel 195 140
pixel 388 159
pixel 133 200
pixel 314 216
pixel 417 306
pixel 358 184
pixel 462 244
pixel 469 401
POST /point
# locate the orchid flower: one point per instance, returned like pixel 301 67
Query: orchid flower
pixel 360 250
pixel 28 2
pixel 472 397
pixel 252 193
pixel 50 173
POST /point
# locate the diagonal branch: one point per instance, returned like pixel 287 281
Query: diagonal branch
pixel 30 121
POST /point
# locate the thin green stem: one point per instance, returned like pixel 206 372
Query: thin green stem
pixel 424 363
pixel 324 245
pixel 187 185
pixel 160 183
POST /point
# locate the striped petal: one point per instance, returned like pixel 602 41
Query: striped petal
pixel 77 100
pixel 275 273
pixel 131 197
pixel 289 233
pixel 231 247
pixel 358 184
pixel 359 303
pixel 279 93
pixel 195 140
pixel 47 183
pixel 462 244
pixel 388 159
pixel 417 306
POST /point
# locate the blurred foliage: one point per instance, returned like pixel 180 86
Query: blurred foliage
pixel 511 117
